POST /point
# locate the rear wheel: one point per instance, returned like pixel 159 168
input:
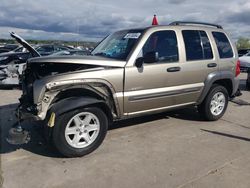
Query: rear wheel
pixel 215 104
pixel 80 132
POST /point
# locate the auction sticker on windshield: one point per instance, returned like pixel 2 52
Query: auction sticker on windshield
pixel 132 35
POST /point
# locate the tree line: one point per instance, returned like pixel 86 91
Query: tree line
pixel 243 43
pixel 67 43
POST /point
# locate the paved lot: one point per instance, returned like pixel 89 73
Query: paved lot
pixel 174 149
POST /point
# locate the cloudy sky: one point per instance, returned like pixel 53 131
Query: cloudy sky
pixel 94 19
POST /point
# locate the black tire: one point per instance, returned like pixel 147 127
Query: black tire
pixel 58 135
pixel 204 107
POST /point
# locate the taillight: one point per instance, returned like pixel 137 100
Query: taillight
pixel 237 71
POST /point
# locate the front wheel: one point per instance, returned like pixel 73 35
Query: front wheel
pixel 215 104
pixel 80 132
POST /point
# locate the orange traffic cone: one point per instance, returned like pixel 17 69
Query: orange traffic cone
pixel 154 22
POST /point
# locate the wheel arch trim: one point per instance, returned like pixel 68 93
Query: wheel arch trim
pixel 73 103
pixel 217 76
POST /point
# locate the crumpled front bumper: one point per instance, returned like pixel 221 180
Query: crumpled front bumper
pixel 26 110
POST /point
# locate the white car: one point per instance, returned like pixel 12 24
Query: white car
pixel 245 62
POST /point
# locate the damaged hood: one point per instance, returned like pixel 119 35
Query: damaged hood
pixel 85 60
pixel 25 44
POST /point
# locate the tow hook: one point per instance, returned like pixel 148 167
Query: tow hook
pixel 17 135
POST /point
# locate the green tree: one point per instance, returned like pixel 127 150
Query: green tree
pixel 243 43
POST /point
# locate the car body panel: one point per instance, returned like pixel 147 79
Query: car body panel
pixel 90 60
pixel 25 44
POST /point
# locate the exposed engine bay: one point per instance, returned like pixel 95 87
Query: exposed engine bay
pixel 64 89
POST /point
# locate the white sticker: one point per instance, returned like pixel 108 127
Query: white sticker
pixel 132 35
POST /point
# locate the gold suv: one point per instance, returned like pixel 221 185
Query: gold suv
pixel 130 73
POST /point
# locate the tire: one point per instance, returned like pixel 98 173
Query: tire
pixel 80 122
pixel 207 106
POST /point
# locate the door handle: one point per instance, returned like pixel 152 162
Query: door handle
pixel 173 69
pixel 210 65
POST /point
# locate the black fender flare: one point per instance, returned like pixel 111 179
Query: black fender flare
pixel 73 103
pixel 213 77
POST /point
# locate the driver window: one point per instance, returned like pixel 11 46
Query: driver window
pixel 165 44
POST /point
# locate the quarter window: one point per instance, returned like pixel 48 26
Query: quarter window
pixel 223 45
pixel 165 43
pixel 197 45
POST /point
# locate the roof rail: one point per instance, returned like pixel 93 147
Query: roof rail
pixel 195 23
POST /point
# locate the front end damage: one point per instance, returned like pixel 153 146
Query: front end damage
pixel 45 85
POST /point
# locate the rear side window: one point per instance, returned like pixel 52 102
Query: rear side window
pixel 223 45
pixel 197 45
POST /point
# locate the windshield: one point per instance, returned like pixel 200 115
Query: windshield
pixel 118 45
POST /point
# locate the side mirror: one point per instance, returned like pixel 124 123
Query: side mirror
pixel 151 57
pixel 139 61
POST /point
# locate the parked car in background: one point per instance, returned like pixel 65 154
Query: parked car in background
pixel 242 52
pixel 71 52
pixel 18 49
pixel 8 47
pixel 11 62
pixel 48 49
pixel 245 62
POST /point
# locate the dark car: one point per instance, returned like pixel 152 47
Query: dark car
pixel 14 57
pixel 73 52
pixel 18 55
pixel 48 49
pixel 12 63
pixel 8 47
pixel 242 52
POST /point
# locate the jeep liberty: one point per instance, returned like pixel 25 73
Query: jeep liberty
pixel 130 73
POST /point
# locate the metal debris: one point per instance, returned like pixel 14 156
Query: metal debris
pixel 17 137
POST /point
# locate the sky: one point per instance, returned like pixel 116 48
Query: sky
pixel 82 20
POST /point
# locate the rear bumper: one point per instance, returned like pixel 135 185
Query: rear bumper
pixel 236 84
